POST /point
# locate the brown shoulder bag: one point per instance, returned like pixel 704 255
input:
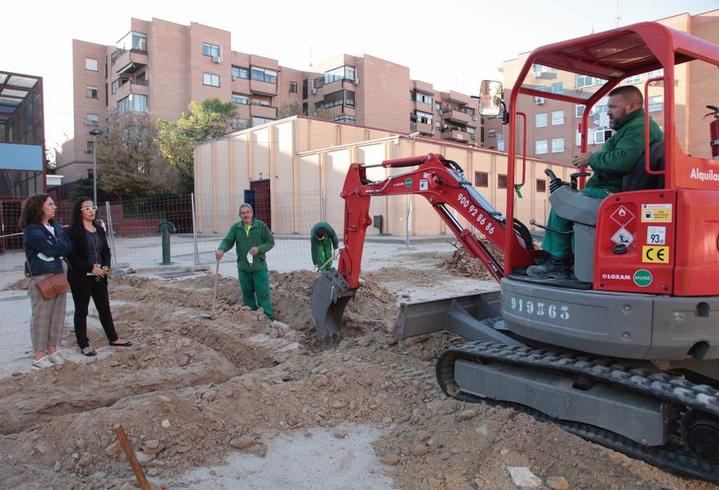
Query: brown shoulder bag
pixel 53 285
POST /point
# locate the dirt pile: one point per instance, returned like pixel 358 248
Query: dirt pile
pixel 192 390
pixel 462 263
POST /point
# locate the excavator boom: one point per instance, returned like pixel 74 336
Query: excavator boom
pixel 443 184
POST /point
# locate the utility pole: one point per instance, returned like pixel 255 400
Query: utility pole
pixel 94 132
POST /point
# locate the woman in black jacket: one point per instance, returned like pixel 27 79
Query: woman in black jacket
pixel 45 246
pixel 89 270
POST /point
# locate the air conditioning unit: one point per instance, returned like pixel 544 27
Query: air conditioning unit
pixel 356 81
pixel 314 91
pixel 539 100
pixel 217 59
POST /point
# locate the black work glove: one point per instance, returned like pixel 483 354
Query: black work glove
pixel 555 184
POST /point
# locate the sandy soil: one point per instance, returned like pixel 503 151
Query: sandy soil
pixel 195 394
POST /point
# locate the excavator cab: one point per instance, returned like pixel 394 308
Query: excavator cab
pixel 625 354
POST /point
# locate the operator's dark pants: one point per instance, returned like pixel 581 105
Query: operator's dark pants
pixel 256 290
pixel 82 290
pixel 560 244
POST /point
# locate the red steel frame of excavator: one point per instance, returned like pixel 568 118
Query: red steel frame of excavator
pixel 442 183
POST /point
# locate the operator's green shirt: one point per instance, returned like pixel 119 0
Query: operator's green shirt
pixel 620 152
pixel 316 246
pixel 259 235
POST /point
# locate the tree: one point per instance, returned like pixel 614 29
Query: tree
pixel 288 110
pixel 132 163
pixel 203 120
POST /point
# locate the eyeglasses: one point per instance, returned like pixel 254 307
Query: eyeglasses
pixel 89 208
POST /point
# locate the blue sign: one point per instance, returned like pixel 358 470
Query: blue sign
pixel 20 157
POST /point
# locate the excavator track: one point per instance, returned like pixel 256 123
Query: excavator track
pixel 674 390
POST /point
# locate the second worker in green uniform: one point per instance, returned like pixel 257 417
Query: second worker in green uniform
pixel 323 245
pixel 252 239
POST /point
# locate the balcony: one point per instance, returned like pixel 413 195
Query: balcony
pixel 456 135
pixel 266 112
pixel 457 98
pixel 423 128
pixel 263 88
pixel 458 116
pixel 139 87
pixel 128 61
pixel 421 106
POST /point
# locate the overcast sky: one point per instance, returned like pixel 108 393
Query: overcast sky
pixel 449 43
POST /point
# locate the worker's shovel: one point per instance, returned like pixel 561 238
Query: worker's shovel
pixel 211 315
pixel 319 269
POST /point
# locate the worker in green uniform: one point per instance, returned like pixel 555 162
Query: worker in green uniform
pixel 610 164
pixel 324 245
pixel 252 239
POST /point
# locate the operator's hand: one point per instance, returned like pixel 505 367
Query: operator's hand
pixel 254 251
pixel 219 254
pixel 105 271
pixel 97 270
pixel 581 160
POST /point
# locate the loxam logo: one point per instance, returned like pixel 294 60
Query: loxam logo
pixel 617 277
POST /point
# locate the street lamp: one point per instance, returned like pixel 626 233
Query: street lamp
pixel 95 132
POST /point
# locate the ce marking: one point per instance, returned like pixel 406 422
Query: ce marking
pixel 655 255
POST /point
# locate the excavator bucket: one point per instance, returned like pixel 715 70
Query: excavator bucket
pixel 330 294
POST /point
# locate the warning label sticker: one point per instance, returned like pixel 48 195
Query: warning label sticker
pixel 655 255
pixel 656 213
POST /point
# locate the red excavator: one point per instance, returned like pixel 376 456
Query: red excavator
pixel 625 352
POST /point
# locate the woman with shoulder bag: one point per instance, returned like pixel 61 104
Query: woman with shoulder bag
pixel 89 271
pixel 45 246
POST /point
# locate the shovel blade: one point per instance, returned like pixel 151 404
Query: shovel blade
pixel 330 294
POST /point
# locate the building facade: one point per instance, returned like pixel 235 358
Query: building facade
pixel 159 67
pixel 22 149
pixel 552 129
pixel 293 170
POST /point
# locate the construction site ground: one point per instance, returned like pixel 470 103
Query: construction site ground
pixel 237 403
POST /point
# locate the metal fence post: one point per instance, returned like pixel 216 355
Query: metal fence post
pixel 111 233
pixel 194 230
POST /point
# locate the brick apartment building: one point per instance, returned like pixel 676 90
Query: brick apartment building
pixel 552 130
pixel 159 67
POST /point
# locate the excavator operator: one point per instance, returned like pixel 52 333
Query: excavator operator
pixel 616 159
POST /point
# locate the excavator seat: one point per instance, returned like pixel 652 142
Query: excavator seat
pixel 583 210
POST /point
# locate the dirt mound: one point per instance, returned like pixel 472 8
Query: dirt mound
pixel 463 263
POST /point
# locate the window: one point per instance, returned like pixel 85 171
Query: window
pixel 345 118
pixel 92 119
pixel 656 103
pixel 481 179
pixel 540 147
pixel 656 73
pixel 579 110
pixel 91 64
pixel 600 136
pixel 340 73
pixel 501 181
pixel 422 98
pixel 491 132
pixel 89 146
pixel 118 83
pixel 423 117
pixel 260 101
pixel 132 41
pixel 585 81
pixel 541 185
pixel 263 75
pixel 632 80
pixel 91 92
pixel 557 118
pixel 132 103
pixel 557 88
pixel 537 70
pixel 256 121
pixel 240 72
pixel 238 124
pixel 557 145
pixel 540 120
pixel 240 99
pixel 293 87
pixel 211 79
pixel 211 50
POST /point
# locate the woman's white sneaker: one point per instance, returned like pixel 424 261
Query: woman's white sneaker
pixel 56 358
pixel 43 362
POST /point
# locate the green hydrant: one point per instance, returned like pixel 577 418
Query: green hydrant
pixel 166 227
